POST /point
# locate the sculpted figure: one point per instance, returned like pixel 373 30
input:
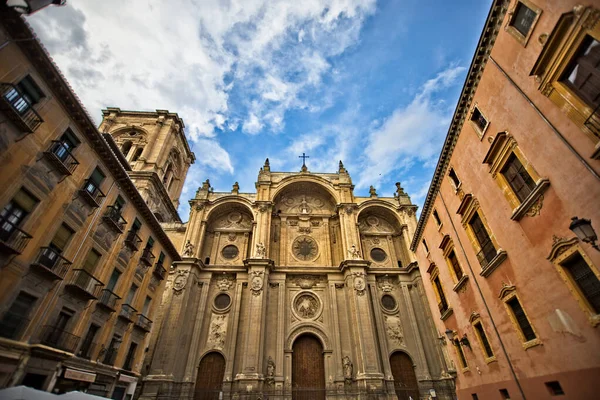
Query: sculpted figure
pixel 347 368
pixel 261 250
pixel 188 250
pixel 270 367
pixel 353 253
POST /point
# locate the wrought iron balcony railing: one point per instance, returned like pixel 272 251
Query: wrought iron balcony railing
pixel 91 193
pixel 18 108
pixel 127 312
pixel 143 323
pixel 84 284
pixel 60 156
pixel 486 254
pixel 59 339
pixel 50 262
pixel 159 271
pixel 12 238
pixel 147 257
pixel 593 121
pixel 133 240
pixel 108 299
pixel 113 219
pixel 13 325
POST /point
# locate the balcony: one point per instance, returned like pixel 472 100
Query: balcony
pixel 113 219
pixel 143 323
pixel 50 263
pixel 110 356
pixel 127 312
pixel 18 108
pixel 133 240
pixel 61 158
pixel 59 339
pixel 91 194
pixel 159 271
pixel 12 239
pixel 108 300
pixel 147 257
pixel 84 284
pixel 13 325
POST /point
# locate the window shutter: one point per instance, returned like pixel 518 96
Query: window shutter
pixel 97 177
pixel 70 138
pixel 26 201
pixel 91 260
pixel 28 86
pixel 62 236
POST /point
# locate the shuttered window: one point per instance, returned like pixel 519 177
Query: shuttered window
pixel 521 319
pixel 461 356
pixel 62 237
pixel 97 177
pixel 484 340
pixel 25 200
pixel 443 306
pixel 517 177
pixel 585 279
pixel 583 75
pixel 91 260
pixel 523 19
pixel 455 265
pixel 488 251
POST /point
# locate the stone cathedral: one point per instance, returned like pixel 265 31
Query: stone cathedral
pixel 300 290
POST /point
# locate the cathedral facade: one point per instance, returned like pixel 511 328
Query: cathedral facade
pixel 299 290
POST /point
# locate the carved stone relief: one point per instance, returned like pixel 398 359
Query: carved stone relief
pixel 225 282
pixel 180 281
pixel 256 282
pixel 386 284
pixel 307 305
pixel 217 331
pixel 393 328
pixel 360 285
pixel 306 281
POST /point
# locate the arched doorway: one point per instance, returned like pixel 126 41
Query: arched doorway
pixel 405 379
pixel 209 381
pixel 308 369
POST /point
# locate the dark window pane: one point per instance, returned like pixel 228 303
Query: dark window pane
pixel 523 19
pixel 521 318
pixel 222 301
pixel 461 355
pixel 378 255
pixel 583 74
pixel 388 302
pixel 455 265
pixel 454 177
pixel 16 318
pixel 585 279
pixel 484 340
pixel 488 251
pixel 518 178
pixel 230 252
pixel 443 303
pixel 479 119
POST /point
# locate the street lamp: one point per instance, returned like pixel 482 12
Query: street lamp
pixel 30 6
pixel 585 231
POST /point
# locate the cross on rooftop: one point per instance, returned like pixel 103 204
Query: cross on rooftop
pixel 303 157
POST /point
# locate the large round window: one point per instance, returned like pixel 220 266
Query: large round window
pixel 378 254
pixel 388 302
pixel 222 301
pixel 230 252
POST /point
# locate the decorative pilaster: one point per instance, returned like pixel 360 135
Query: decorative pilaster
pixel 362 325
pixel 256 310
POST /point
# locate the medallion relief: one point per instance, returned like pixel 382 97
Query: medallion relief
pixel 360 284
pixel 305 248
pixel 306 306
pixel 180 281
pixel 256 282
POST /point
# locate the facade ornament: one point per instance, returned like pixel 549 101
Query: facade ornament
pixel 206 185
pixel 217 332
pixel 304 208
pixel 394 330
pixel 353 253
pixel 360 284
pixel 399 190
pixel 267 166
pixel 256 282
pixel 188 250
pixel 263 208
pixel 341 169
pixel 307 306
pixel 270 379
pixel 180 281
pixel 235 188
pixel 261 250
pixel 372 191
pixel 385 284
pixel 348 369
pixel 536 207
pixel 559 246
pixel 225 283
pixel 305 281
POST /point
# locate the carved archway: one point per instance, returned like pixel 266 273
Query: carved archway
pixel 405 378
pixel 209 381
pixel 308 328
pixel 381 237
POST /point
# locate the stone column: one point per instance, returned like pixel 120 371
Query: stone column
pixel 280 347
pixel 334 285
pixel 349 230
pixel 367 372
pixel 232 335
pixel 150 145
pixel 262 233
pixel 421 370
pixel 176 340
pixel 256 312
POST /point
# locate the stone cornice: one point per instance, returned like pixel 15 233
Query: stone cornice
pixel 160 190
pixel 491 28
pixel 31 47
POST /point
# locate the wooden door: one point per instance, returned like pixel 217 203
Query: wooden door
pixel 209 381
pixel 308 369
pixel 405 380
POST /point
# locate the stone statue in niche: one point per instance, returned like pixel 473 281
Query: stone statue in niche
pixel 353 253
pixel 261 250
pixel 270 379
pixel 188 249
pixel 348 368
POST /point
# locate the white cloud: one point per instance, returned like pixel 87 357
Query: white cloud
pixel 411 134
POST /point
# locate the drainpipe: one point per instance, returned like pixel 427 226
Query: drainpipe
pixel 512 370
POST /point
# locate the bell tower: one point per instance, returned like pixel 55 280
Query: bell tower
pixel 153 148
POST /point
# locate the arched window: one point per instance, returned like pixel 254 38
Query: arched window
pixel 168 173
pixel 138 153
pixel 126 147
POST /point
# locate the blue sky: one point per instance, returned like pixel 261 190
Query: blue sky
pixel 373 83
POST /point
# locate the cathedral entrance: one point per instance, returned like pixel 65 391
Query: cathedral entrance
pixel 209 381
pixel 405 379
pixel 308 369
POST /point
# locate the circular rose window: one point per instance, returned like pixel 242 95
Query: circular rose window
pixel 222 301
pixel 305 248
pixel 388 302
pixel 378 254
pixel 230 252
